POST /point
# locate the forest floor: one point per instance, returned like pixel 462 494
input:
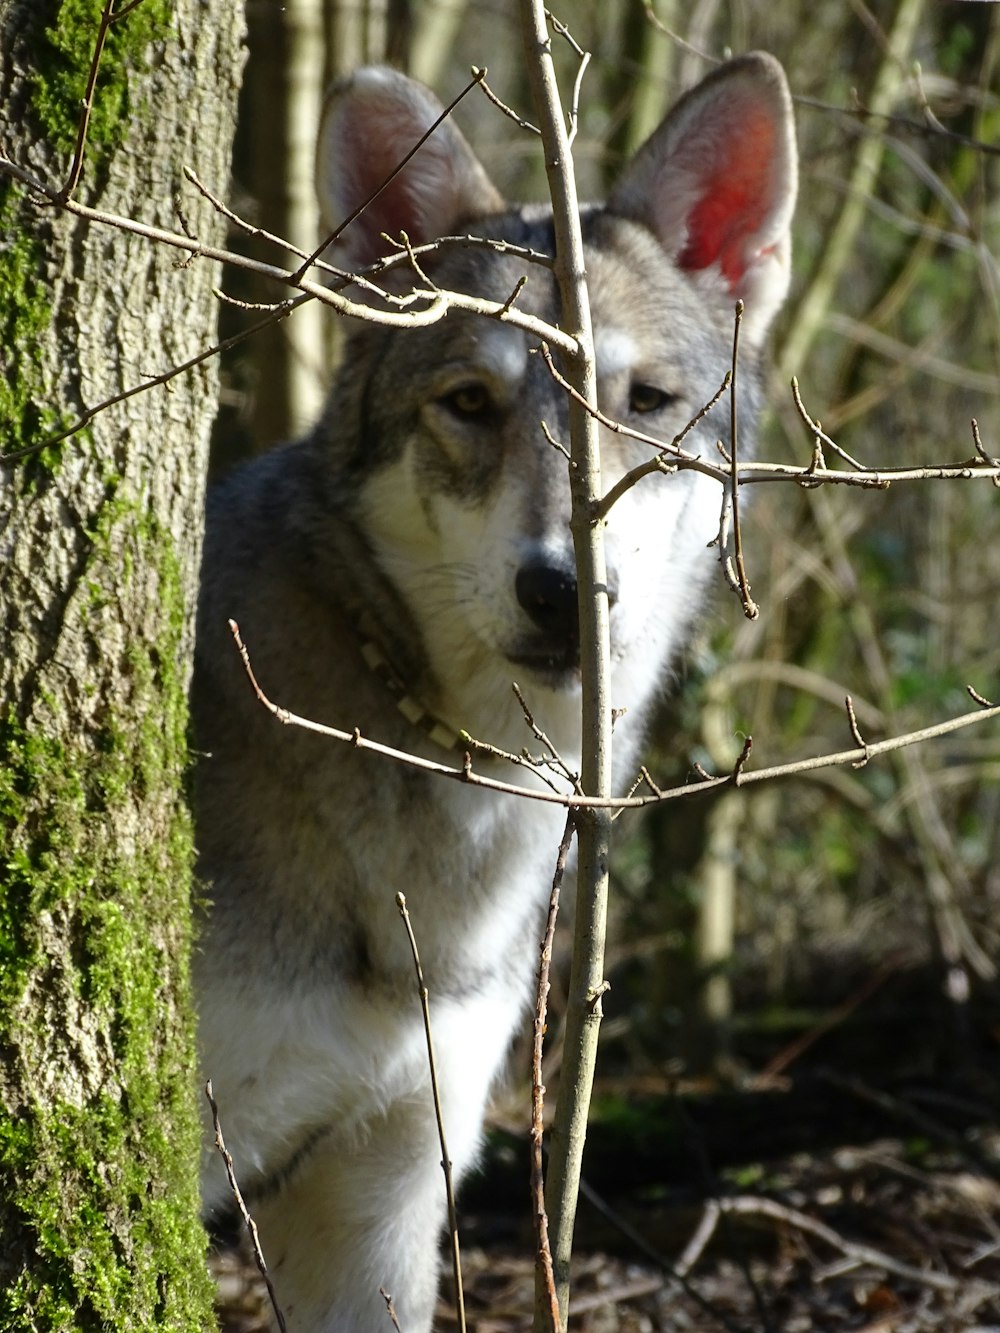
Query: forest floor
pixel 857 1238
pixel 824 1199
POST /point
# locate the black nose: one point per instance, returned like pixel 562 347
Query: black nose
pixel 547 593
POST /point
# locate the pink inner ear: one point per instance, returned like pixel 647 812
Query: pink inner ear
pixel 735 198
pixel 372 145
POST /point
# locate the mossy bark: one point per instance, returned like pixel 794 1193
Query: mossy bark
pixel 99 550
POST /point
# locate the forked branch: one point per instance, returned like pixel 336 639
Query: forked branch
pixel 593 824
pixel 658 796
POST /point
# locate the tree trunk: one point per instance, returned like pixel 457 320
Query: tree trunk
pixel 99 551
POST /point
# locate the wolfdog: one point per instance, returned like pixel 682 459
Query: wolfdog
pixel 396 571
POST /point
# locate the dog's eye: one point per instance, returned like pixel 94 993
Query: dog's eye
pixel 645 398
pixel 468 400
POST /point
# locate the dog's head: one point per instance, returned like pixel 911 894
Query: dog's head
pixel 453 436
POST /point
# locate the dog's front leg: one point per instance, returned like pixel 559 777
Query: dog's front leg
pixel 362 1212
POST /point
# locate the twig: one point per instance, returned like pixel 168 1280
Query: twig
pixel 518 288
pixel 929 128
pixel 653 18
pixel 500 105
pixel 250 228
pixel 635 784
pixel 698 1242
pixel 659 463
pixel 108 18
pixel 572 801
pixel 547 1301
pixel 620 1294
pixel 750 1205
pixel 271 307
pixel 741 583
pixel 754 472
pixel 919 359
pixel 556 444
pixel 677 1277
pixel 248 1221
pixel 436 304
pixel 380 265
pixel 456 1256
pixel 543 739
pixel 852 721
pixel 736 777
pixel 403 242
pixel 818 433
pixel 390 1309
pixel 977 440
pixel 672 447
pixel 574 106
pixel 523 760
pixel 561 30
pixel 979 698
pixel 573 119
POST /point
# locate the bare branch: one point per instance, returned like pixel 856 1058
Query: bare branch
pixel 852 720
pixel 653 18
pixel 546 1297
pixel 738 574
pixel 449 1184
pixel 573 119
pixel 108 17
pixel 583 1016
pixel 435 307
pixel 248 1221
pixel 737 776
pixel 390 1309
pixel 248 227
pixel 522 760
pixel 539 735
pixel 754 472
pixel 508 111
pixel 749 1205
pixel 707 781
pixel 818 433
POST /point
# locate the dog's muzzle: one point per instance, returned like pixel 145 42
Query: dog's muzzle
pixel 547 592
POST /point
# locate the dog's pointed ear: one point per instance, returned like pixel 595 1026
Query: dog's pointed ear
pixel 716 184
pixel 370 122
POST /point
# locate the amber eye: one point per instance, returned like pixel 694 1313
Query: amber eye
pixel 645 398
pixel 468 400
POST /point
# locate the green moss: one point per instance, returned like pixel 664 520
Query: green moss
pixel 59 80
pixel 97 1220
pixel 61 56
pixel 102 1171
pixel 25 314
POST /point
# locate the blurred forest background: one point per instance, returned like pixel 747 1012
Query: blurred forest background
pixel 812 963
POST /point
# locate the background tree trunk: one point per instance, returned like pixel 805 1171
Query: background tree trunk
pixel 100 542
